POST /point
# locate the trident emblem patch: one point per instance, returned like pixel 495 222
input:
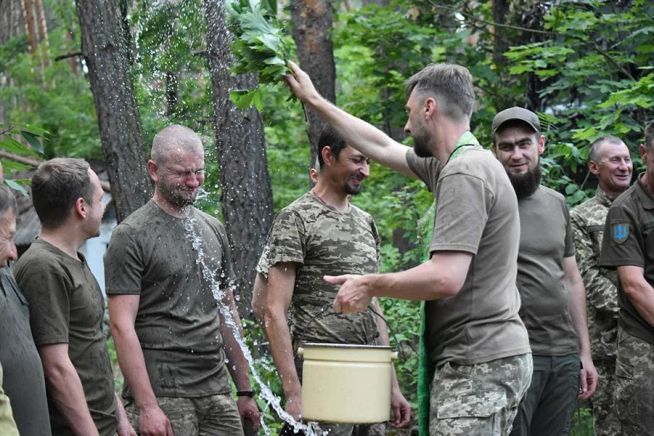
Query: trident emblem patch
pixel 619 233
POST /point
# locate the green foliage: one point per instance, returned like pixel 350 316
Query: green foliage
pixel 25 142
pixel 259 47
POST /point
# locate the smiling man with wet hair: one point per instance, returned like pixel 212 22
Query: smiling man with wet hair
pixel 172 345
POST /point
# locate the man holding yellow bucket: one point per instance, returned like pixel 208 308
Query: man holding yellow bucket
pixel 477 345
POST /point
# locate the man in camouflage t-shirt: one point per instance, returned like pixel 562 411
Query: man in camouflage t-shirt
pixel 322 233
pixel 611 163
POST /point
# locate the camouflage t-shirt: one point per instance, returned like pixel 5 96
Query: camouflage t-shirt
pixel 601 283
pixel 323 241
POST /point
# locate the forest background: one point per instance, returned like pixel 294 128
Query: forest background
pixel 97 79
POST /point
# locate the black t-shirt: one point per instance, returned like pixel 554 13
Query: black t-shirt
pixel 629 241
pixel 23 373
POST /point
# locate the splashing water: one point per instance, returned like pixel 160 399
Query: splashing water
pixel 311 428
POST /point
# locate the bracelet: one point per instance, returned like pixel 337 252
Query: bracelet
pixel 245 394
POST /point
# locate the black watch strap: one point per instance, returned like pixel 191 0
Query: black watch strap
pixel 245 394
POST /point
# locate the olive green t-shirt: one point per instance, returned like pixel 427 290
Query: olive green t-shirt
pixel 323 241
pixel 477 213
pixel 153 255
pixel 66 307
pixel 23 371
pixel 545 240
pixel 629 241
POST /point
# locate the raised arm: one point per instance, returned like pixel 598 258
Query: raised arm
pixel 281 281
pixel 361 135
pixel 577 305
pixel 122 314
pixel 66 389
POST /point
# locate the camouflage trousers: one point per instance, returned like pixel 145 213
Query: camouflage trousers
pixel 213 415
pixel 480 399
pixel 605 421
pixel 634 385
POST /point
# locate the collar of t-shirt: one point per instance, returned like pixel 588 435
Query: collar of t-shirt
pixel 464 143
pixel 602 197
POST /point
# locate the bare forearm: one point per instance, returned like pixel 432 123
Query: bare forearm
pixel 132 365
pixel 363 136
pixel 641 295
pixel 282 352
pixel 577 305
pixel 67 393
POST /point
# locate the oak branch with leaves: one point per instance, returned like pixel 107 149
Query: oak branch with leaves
pixel 260 46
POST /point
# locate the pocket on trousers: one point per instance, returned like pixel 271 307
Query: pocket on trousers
pixel 470 404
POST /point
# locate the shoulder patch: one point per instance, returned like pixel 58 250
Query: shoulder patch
pixel 619 232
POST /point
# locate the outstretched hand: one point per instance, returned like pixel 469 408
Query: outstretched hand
pixel 300 83
pixel 353 296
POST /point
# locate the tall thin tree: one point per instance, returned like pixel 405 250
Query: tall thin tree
pixel 105 52
pixel 246 191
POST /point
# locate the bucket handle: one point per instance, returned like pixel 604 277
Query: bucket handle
pixel 300 351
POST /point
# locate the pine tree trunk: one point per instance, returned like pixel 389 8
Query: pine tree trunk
pixel 105 52
pixel 312 26
pixel 246 191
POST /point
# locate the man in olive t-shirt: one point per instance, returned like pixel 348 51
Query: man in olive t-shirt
pixel 552 292
pixel 169 282
pixel 66 303
pixel 628 245
pixel 476 340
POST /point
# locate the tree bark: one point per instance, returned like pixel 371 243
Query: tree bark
pixel 246 191
pixel 312 25
pixel 105 51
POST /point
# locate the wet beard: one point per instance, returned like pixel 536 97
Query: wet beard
pixel 526 184
pixel 351 190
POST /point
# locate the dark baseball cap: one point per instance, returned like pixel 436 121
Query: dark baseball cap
pixel 516 113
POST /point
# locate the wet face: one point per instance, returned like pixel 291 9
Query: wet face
pixel 351 169
pixel 180 177
pixel 96 208
pixel 416 125
pixel 7 233
pixel 614 167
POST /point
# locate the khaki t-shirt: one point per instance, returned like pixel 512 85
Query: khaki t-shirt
pixel 152 254
pixel 477 213
pixel 23 379
pixel 545 240
pixel 323 241
pixel 629 241
pixel 66 307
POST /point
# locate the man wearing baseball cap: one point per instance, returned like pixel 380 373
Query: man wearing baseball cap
pixel 552 291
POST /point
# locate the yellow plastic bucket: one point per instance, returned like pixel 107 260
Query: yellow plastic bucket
pixel 349 384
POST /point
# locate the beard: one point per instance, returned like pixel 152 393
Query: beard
pixel 352 189
pixel 420 145
pixel 526 184
pixel 174 194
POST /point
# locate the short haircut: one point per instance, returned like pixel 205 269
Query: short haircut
pixel 451 84
pixel 56 186
pixel 7 201
pixel 596 147
pixel 329 137
pixel 171 136
pixel 649 135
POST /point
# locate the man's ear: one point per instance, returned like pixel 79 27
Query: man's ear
pixel 81 207
pixel 152 170
pixel 593 167
pixel 430 107
pixel 642 150
pixel 327 155
pixel 541 144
